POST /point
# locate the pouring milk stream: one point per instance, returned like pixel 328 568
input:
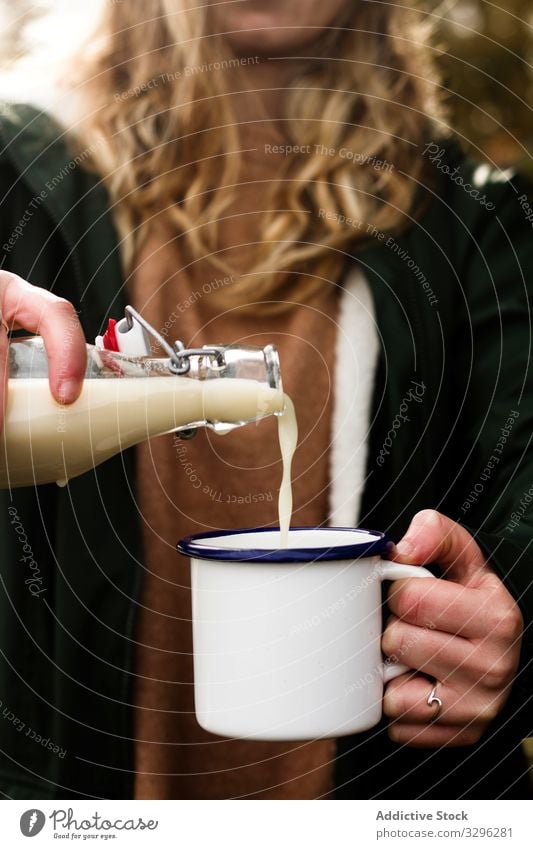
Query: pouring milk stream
pixel 128 399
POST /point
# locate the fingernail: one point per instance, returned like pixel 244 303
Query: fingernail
pixel 405 548
pixel 68 391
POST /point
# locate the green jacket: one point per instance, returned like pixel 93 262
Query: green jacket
pixel 66 654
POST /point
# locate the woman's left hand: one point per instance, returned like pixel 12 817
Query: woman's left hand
pixel 464 632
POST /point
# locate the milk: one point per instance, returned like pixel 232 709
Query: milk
pixel 44 441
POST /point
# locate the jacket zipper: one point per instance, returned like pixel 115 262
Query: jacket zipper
pixel 423 355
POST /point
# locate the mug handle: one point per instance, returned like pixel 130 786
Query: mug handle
pixel 389 571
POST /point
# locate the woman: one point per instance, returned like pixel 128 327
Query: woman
pixel 272 173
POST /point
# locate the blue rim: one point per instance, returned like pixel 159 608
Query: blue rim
pixel 192 547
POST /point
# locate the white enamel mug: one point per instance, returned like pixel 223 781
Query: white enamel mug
pixel 287 642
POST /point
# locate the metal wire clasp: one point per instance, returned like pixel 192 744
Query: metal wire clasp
pixel 179 355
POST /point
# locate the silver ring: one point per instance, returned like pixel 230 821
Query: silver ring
pixel 433 699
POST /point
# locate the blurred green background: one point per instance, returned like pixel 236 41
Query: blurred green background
pixel 485 50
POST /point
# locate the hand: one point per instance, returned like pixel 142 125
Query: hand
pixel 464 631
pixel 23 306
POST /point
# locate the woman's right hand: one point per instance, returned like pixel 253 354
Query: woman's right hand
pixel 23 306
